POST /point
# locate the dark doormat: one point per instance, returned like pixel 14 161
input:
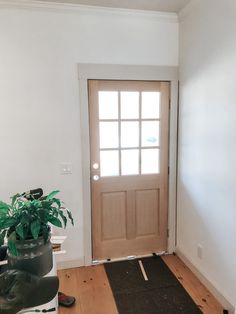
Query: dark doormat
pixel 162 293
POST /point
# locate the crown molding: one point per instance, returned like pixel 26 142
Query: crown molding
pixel 186 11
pixel 85 9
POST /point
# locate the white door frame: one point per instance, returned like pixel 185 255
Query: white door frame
pixel 126 72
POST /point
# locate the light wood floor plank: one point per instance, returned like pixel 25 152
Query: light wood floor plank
pixel 69 286
pixel 199 293
pixel 91 288
pixel 93 294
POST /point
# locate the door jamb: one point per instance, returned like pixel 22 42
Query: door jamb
pixel 126 72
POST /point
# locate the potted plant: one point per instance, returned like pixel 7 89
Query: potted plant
pixel 25 223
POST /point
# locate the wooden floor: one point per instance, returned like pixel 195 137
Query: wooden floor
pixel 94 296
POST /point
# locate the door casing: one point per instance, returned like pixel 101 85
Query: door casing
pixel 126 72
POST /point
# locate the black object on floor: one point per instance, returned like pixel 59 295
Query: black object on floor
pixel 161 294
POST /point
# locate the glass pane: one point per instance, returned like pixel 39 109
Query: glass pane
pixel 108 134
pixel 130 162
pixel 109 161
pixel 129 105
pixel 150 105
pixel 129 134
pixel 108 105
pixel 150 133
pixel 150 161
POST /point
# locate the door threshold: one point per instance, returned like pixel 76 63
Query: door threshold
pixel 126 258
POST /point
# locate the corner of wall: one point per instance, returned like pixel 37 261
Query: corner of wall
pixel 187 10
pixel 216 293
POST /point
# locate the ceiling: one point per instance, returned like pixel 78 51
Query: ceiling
pixel 153 5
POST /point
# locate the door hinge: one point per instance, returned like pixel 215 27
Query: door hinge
pixel 168 233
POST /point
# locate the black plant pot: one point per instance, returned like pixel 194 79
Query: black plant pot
pixel 34 256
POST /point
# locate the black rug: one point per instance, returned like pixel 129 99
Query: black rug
pixel 162 293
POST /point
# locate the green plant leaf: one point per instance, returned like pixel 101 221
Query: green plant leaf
pixel 63 217
pixel 36 203
pixel 35 228
pixel 12 243
pixel 14 198
pixel 46 204
pixel 55 221
pixel 70 216
pixel 42 214
pixel 4 208
pixel 57 201
pixel 20 230
pixel 51 195
pixel 25 217
pixel 8 222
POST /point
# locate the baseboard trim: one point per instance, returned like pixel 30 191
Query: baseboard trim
pixel 217 294
pixel 70 264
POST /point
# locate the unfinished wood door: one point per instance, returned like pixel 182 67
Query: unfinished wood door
pixel 129 167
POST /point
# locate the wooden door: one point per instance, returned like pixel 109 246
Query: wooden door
pixel 129 167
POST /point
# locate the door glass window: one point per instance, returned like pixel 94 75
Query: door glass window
pixel 129 132
pixel 129 102
pixel 108 105
pixel 130 162
pixel 109 135
pixel 109 161
pixel 150 133
pixel 150 105
pixel 150 161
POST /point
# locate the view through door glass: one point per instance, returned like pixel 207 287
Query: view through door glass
pixel 129 161
pixel 128 132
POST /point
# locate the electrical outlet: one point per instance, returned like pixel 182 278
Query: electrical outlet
pixel 200 251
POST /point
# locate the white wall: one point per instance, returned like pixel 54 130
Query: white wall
pixel 207 150
pixel 39 104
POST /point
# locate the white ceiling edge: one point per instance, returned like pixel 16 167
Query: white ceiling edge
pixel 187 10
pixel 76 8
pixel 149 5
